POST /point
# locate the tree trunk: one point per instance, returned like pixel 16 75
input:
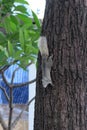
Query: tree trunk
pixel 63 106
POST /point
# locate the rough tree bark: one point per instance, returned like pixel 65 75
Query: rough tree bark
pixel 63 107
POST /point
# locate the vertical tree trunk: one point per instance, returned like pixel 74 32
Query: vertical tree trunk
pixel 64 106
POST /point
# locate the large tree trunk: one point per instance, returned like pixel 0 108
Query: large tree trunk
pixel 63 107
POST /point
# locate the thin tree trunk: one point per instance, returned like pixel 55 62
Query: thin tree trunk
pixel 63 107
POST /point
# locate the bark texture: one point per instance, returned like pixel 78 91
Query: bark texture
pixel 63 107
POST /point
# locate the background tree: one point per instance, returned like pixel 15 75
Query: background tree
pixel 63 107
pixel 19 32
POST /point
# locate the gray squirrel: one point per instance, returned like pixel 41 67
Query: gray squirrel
pixel 46 61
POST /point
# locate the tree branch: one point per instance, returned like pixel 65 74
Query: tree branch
pixel 10 108
pixel 5 80
pixel 24 84
pixel 28 104
pixel 29 64
pixel 13 75
pixel 4 91
pixel 4 68
pixel 17 119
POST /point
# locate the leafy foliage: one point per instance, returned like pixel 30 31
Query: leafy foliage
pixel 18 34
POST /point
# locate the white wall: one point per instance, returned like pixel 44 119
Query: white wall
pixel 38 7
pixel 32 88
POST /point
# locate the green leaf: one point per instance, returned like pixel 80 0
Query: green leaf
pixel 18 54
pixel 3 58
pixel 26 35
pixel 13 27
pixel 37 22
pixel 24 18
pixel 4 50
pixel 10 49
pixel 6 24
pixel 2 37
pixel 19 41
pixel 27 25
pixel 1 55
pixel 24 60
pixel 32 33
pixel 21 8
pixel 1 48
pixel 22 1
pixel 14 19
pixel 21 38
pixel 32 58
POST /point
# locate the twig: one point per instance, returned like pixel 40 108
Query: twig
pixel 28 104
pixel 13 75
pixel 29 64
pixel 10 108
pixel 4 68
pixel 5 80
pixel 17 119
pixel 24 84
pixel 4 91
pixel 11 100
pixel 3 123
